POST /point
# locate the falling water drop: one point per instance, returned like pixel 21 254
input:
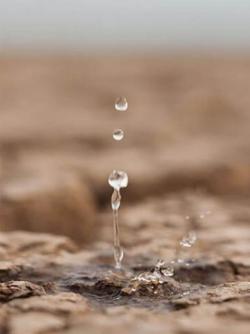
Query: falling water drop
pixel 118 134
pixel 118 179
pixel 121 104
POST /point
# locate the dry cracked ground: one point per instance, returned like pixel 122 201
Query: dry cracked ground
pixel 187 153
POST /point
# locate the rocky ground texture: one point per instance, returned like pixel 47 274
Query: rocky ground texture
pixel 186 150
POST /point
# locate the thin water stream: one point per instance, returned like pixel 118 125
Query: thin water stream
pixel 117 180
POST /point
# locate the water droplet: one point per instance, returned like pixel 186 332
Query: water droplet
pixel 202 216
pixel 159 264
pixel 187 217
pixel 118 134
pixel 164 269
pixel 118 179
pixel 188 240
pixel 121 104
pixel 168 271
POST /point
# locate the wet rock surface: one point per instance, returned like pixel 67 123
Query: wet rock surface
pixel 49 285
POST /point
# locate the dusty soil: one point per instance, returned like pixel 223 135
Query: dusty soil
pixel 186 150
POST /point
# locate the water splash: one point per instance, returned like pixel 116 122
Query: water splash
pixel 190 236
pixel 121 104
pixel 118 134
pixel 151 280
pixel 165 269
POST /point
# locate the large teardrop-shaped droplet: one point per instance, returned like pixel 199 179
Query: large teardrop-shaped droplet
pixel 118 179
pixel 121 104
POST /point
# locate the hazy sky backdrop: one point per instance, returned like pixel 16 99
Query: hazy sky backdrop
pixel 127 24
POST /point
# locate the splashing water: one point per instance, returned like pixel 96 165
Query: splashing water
pixel 190 237
pixel 121 104
pixel 152 279
pixel 166 269
pixel 118 134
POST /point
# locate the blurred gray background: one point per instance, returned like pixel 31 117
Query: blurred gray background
pixel 124 25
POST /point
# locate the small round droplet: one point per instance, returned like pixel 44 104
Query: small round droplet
pixel 118 134
pixel 118 179
pixel 121 104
